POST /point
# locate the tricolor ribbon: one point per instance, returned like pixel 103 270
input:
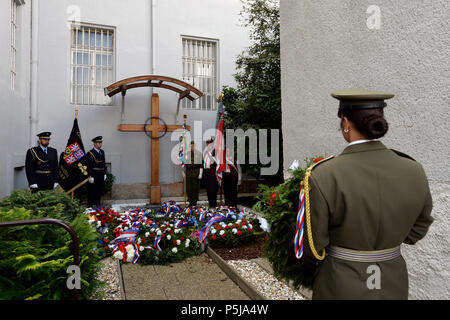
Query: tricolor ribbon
pixel 127 236
pixel 156 244
pixel 136 254
pixel 205 230
pixel 181 151
pixel 298 241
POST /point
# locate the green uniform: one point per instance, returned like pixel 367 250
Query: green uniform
pixel 368 198
pixel 192 176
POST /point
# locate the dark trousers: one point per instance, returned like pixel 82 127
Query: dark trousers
pixel 95 191
pixel 229 189
pixel 211 187
pixel 192 190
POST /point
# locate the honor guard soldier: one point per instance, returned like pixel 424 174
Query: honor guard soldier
pixel 363 204
pixel 41 165
pixel 194 172
pixel 231 179
pixel 97 171
pixel 209 170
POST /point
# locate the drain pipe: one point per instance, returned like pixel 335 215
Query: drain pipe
pixel 34 71
pixel 152 34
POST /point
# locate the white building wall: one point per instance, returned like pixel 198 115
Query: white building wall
pixel 128 153
pixel 327 45
pixel 216 20
pixel 14 105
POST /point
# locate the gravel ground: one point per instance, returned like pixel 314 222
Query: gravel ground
pixel 265 283
pixel 109 274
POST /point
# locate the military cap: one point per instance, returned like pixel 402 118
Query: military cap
pixel 97 139
pixel 44 135
pixel 357 99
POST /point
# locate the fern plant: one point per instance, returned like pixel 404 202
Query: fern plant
pixel 34 259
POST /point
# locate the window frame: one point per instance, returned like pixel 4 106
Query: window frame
pixel 92 67
pixel 216 89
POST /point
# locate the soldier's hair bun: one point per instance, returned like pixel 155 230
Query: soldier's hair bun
pixel 376 126
pixel 369 122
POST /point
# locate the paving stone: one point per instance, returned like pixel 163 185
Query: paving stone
pixel 197 278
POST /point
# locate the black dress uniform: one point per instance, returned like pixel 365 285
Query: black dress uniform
pixel 97 171
pixel 42 167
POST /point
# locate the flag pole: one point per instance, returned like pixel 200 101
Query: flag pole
pixel 221 182
pixel 76 113
pixel 184 152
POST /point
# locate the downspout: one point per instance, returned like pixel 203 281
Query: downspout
pixel 152 70
pixel 152 34
pixel 34 71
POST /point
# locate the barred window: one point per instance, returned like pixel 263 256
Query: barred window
pixel 200 70
pixel 13 43
pixel 92 64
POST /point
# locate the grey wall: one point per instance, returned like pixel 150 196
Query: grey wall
pixel 327 45
pixel 14 105
pixel 128 153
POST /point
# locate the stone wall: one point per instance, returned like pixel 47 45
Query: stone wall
pixel 400 46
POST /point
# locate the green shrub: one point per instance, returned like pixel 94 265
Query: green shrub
pixel 279 206
pixel 34 259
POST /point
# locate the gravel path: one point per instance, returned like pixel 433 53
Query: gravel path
pixel 264 282
pixel 109 274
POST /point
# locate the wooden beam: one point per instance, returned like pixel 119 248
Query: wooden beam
pixel 149 128
pixel 131 82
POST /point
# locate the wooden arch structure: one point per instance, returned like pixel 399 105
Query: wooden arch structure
pixel 184 90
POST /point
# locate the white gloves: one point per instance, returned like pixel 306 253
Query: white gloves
pixel 104 178
pixel 34 186
pixel 239 182
pixel 55 185
pixel 201 174
pixel 182 172
pixel 91 180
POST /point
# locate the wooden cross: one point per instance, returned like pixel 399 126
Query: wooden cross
pixel 155 127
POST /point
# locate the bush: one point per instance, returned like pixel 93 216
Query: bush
pixel 279 206
pixel 34 259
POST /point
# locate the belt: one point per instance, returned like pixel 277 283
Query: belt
pixel 43 172
pixel 98 169
pixel 364 256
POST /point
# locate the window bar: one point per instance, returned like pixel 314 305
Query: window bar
pixel 81 63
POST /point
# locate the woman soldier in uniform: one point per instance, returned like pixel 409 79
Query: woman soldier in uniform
pixel 364 204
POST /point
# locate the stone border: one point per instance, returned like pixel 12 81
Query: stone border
pixel 230 272
pixel 121 283
pixel 307 293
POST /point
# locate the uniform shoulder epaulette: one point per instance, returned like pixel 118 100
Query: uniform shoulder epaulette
pixel 314 165
pixel 404 155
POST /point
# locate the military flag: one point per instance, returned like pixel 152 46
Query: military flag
pixel 73 161
pixel 220 156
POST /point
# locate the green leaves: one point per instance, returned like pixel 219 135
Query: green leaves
pixel 278 205
pixel 34 259
pixel 256 102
